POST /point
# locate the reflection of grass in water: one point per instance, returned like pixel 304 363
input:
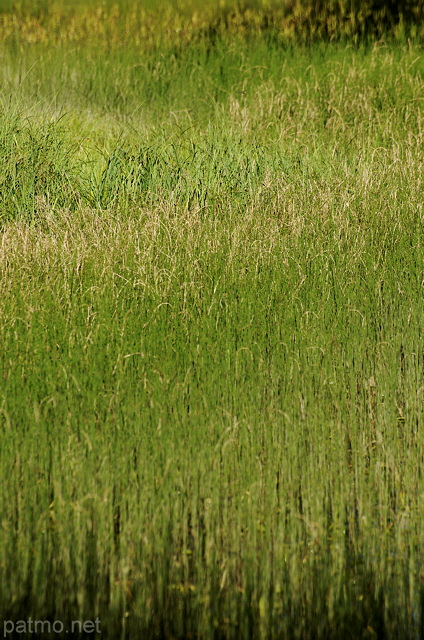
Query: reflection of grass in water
pixel 211 361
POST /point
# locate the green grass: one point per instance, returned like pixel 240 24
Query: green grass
pixel 211 351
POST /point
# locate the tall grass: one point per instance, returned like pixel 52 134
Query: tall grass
pixel 114 23
pixel 211 362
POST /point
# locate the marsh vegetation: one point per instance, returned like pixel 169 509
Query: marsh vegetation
pixel 211 321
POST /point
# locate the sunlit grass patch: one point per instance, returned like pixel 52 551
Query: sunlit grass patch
pixel 149 24
pixel 211 365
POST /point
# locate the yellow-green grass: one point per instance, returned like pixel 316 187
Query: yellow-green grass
pixel 211 358
pixel 148 24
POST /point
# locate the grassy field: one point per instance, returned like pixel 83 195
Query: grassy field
pixel 211 323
